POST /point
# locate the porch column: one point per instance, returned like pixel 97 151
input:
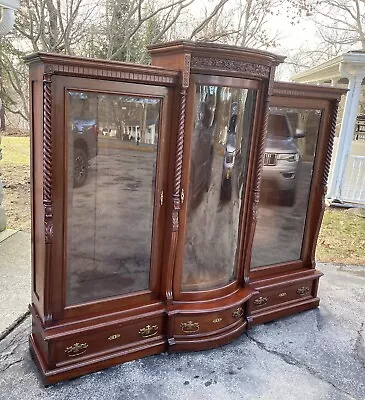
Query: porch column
pixel 355 76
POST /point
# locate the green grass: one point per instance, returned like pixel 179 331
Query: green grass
pixel 342 236
pixel 16 150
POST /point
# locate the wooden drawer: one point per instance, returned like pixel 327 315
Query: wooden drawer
pixel 108 339
pixel 206 322
pixel 283 294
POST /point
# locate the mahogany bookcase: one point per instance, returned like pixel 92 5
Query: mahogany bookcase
pixel 173 205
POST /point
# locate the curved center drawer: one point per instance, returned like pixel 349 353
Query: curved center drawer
pixel 206 322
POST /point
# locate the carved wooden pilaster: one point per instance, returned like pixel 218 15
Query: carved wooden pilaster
pixel 327 165
pixel 47 158
pixel 176 198
pixel 257 175
pixel 323 186
pixel 178 161
pixel 47 191
pixel 261 150
pixel 177 195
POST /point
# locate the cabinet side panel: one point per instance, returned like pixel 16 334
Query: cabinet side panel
pixel 38 244
pixel 319 190
pixel 257 167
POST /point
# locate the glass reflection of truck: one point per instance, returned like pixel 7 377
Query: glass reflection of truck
pixel 85 136
pixel 282 158
pixel 84 131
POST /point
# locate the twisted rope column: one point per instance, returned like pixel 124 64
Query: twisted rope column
pixel 177 196
pixel 322 189
pixel 47 158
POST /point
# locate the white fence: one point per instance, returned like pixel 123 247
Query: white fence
pixel 353 185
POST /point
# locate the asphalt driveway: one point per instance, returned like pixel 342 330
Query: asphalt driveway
pixel 319 355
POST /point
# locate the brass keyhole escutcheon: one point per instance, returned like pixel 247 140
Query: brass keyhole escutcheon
pixel 182 196
pixel 114 337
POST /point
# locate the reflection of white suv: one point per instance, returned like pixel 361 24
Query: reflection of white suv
pixel 282 158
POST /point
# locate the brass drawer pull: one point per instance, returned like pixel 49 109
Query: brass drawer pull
pixel 282 294
pixel 148 331
pixel 303 290
pixel 113 337
pixel 237 313
pixel 76 349
pixel 260 301
pixel 189 327
pixel 217 320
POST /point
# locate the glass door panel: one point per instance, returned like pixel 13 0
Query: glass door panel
pixel 286 179
pixel 112 150
pixel 220 141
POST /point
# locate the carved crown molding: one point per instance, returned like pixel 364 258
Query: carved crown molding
pixel 112 73
pixel 288 89
pixel 261 71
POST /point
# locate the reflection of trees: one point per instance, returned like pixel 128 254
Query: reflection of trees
pixel 308 122
pixel 225 97
pixel 122 112
pixel 209 256
pixel 313 123
pixel 116 112
pixel 82 105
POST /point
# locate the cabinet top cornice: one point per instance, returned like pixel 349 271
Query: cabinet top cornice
pixel 292 89
pixel 209 49
pixel 99 68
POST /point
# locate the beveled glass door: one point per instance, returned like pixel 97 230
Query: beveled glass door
pixel 286 182
pixel 218 166
pixel 114 192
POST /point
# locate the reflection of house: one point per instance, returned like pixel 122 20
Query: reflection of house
pixel 347 177
pixel 134 133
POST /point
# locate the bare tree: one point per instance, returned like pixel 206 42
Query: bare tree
pixel 245 22
pixel 121 30
pixel 14 77
pixel 340 25
pixel 341 22
pixel 130 24
pixel 307 56
pixel 53 25
pixel 40 25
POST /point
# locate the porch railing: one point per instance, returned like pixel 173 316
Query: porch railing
pixel 353 184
